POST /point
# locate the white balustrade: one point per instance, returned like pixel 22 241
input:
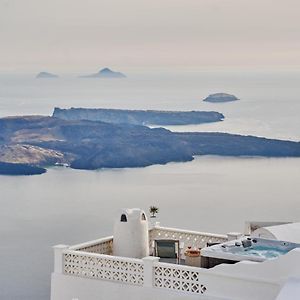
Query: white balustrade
pixel 105 267
pixel 101 246
pixel 94 260
pixel 186 238
pixel 177 277
pixel 147 271
pixel 58 258
pixel 258 280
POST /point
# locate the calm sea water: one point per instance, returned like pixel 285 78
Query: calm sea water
pixel 217 194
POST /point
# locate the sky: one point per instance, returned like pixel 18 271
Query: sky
pixel 84 35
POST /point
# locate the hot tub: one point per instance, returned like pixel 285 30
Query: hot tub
pixel 252 249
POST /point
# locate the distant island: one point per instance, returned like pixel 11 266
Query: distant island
pixel 41 141
pixel 46 75
pixel 105 73
pixel 220 97
pixel 138 117
pixel 20 169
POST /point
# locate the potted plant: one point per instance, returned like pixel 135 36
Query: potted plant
pixel 153 211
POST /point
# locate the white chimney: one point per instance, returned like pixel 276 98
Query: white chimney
pixel 131 237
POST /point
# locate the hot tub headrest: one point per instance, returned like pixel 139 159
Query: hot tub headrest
pixel 246 243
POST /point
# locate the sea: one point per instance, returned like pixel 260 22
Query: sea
pixel 210 193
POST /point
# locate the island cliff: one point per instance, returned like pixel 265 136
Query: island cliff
pixel 44 141
pixel 20 169
pixel 138 117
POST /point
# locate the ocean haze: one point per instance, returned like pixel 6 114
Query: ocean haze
pixel 73 35
pixel 269 104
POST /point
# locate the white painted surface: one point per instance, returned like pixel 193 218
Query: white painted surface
pixel 242 281
pixel 285 232
pixel 93 276
pixel 58 257
pixel 148 268
pixel 251 226
pixel 234 235
pixel 67 288
pixel 131 238
pixel 291 290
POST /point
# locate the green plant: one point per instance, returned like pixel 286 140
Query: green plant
pixel 153 211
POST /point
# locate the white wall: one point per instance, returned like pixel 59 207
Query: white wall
pixel 65 287
pixel 242 281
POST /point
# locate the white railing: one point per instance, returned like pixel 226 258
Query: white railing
pixel 178 278
pixel 94 260
pixel 100 246
pixel 143 272
pixel 186 238
pixel 105 267
pixel 244 280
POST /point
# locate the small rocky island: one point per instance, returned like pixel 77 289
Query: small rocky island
pixel 46 75
pixel 138 117
pixel 29 144
pixel 105 73
pixel 220 97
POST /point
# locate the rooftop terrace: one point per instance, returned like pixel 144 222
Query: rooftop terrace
pixel 95 260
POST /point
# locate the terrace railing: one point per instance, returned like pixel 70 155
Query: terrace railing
pixel 186 238
pixel 94 260
pixel 178 278
pixel 258 280
pixel 100 246
pixel 103 267
pixel 142 272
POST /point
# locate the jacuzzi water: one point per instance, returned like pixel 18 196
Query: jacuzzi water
pixel 264 251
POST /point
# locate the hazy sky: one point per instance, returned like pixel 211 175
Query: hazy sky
pixel 83 35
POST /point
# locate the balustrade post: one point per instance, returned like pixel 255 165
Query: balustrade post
pixel 153 223
pixel 58 258
pixel 148 270
pixel 234 236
